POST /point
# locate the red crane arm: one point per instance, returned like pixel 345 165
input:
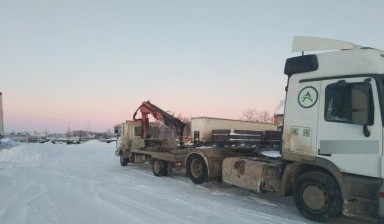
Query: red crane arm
pixel 160 115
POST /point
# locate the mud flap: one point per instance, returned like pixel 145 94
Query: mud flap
pixel 252 175
pixel 117 152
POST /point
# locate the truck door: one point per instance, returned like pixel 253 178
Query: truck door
pixel 350 126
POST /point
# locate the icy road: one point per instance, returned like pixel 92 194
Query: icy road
pixel 85 184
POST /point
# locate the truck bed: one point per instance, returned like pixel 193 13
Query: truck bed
pixel 172 155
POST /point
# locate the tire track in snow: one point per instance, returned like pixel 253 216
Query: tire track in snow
pixel 19 205
pixel 173 199
pixel 148 213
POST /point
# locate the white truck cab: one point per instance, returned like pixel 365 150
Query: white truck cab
pixel 333 118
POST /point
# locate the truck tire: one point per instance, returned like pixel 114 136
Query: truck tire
pixel 159 168
pixel 197 169
pixel 123 161
pixel 168 168
pixel 317 196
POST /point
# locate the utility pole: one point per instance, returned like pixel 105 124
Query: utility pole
pixel 1 116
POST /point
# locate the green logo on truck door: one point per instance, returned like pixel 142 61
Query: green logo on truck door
pixel 307 97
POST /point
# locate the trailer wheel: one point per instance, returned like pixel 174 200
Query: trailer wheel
pixel 123 161
pixel 317 196
pixel 168 168
pixel 159 168
pixel 197 169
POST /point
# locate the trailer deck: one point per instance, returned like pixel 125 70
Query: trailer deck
pixel 173 155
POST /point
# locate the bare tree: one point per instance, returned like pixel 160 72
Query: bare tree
pixel 187 122
pixel 256 116
pixel 249 115
pixel 265 117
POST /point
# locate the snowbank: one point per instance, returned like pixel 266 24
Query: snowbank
pixel 7 143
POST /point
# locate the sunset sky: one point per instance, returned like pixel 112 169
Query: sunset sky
pixel 89 64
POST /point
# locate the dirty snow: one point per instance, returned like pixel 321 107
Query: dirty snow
pixel 48 184
pixel 271 153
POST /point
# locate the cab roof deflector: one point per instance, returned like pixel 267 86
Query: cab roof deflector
pixel 304 43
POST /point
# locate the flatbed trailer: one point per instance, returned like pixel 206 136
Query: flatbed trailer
pixel 162 160
pixel 204 164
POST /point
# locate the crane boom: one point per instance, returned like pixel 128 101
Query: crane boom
pixel 148 108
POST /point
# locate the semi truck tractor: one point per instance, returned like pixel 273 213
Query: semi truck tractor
pixel 332 143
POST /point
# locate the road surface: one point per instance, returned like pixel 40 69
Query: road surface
pixel 85 184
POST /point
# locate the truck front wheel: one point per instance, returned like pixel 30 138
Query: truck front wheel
pixel 123 161
pixel 317 196
pixel 197 169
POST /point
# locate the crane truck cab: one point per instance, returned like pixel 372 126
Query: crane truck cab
pixel 129 141
pixel 332 150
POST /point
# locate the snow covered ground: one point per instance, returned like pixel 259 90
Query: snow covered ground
pixel 85 184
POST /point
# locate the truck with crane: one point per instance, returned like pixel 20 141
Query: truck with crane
pixel 332 146
pixel 140 140
pixel 331 158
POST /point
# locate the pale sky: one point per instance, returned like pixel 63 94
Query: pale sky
pixel 90 63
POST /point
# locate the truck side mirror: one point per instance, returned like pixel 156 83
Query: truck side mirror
pixel 361 108
pixel 360 105
pixel 116 130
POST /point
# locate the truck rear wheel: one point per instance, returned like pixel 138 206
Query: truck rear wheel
pixel 123 161
pixel 317 196
pixel 197 169
pixel 159 168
